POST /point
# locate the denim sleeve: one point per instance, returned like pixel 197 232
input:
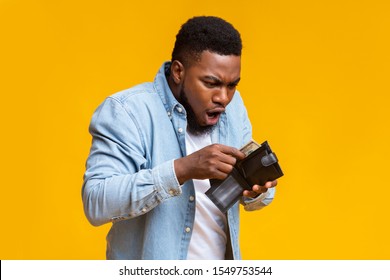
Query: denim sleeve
pixel 251 204
pixel 117 183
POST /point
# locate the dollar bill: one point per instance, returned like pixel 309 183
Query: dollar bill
pixel 250 147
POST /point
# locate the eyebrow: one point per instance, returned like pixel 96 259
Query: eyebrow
pixel 218 81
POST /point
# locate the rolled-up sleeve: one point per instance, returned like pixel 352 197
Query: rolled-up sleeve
pixel 118 183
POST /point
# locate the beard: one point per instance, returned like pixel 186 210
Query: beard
pixel 193 125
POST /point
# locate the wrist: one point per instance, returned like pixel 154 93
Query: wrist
pixel 180 170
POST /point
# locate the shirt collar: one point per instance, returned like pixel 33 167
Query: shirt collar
pixel 163 89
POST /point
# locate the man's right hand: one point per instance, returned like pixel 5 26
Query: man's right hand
pixel 212 162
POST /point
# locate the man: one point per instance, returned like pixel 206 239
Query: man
pixel 156 145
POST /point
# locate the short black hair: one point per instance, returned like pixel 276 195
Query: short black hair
pixel 206 33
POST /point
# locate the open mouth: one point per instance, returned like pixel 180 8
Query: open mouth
pixel 213 115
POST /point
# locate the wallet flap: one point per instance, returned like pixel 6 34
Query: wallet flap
pixel 260 166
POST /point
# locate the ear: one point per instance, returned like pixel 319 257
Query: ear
pixel 177 71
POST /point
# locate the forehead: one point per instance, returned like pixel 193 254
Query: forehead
pixel 224 67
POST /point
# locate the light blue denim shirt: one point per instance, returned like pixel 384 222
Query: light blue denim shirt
pixel 130 179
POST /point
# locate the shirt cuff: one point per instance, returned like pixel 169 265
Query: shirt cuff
pixel 165 180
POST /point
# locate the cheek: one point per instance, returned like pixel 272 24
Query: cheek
pixel 199 99
pixel 198 105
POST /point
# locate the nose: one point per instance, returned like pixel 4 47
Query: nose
pixel 221 96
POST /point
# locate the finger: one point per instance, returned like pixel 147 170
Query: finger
pixel 225 168
pixel 271 184
pixel 231 151
pixel 227 159
pixel 218 152
pixel 218 175
pixel 259 189
pixel 250 194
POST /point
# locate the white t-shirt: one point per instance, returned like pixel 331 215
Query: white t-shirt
pixel 208 240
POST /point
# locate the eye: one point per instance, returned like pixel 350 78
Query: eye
pixel 232 86
pixel 209 84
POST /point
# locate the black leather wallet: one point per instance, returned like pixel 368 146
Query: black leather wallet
pixel 258 168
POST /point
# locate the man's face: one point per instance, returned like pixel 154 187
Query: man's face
pixel 208 87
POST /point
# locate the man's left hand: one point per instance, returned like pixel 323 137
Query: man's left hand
pixel 257 189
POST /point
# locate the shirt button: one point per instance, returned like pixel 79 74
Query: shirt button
pixel 171 192
pixel 192 198
pixel 143 210
pixel 169 113
pixel 180 130
pixel 179 109
pixel 188 229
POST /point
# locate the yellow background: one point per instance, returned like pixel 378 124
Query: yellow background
pixel 315 78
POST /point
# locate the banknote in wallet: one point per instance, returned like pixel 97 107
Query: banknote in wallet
pixel 258 167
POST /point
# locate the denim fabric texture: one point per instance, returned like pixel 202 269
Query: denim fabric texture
pixel 130 179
